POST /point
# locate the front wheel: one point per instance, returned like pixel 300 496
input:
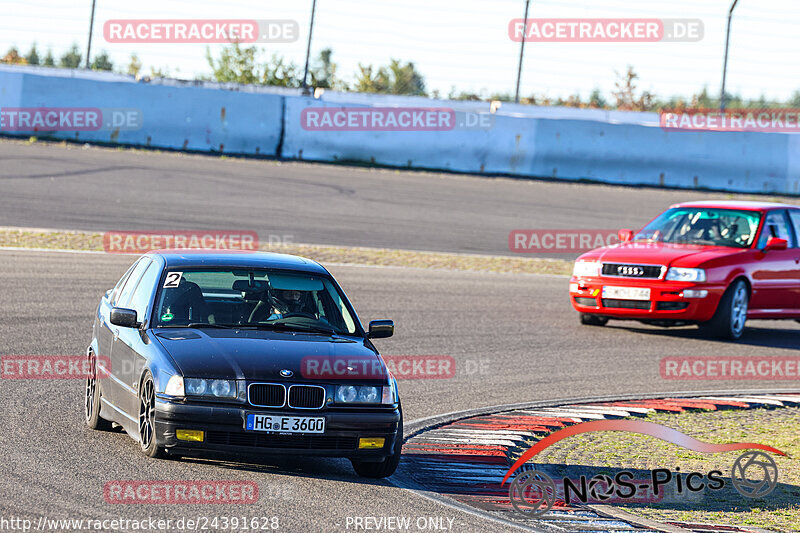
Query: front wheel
pixel 147 418
pixel 91 399
pixel 386 467
pixel 729 319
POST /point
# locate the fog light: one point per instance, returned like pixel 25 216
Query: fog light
pixel 193 435
pixel 371 443
pixel 692 293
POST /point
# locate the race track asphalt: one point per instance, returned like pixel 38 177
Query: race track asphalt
pixel 69 186
pixel 514 338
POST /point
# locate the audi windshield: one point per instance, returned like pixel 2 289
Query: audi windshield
pixel 707 226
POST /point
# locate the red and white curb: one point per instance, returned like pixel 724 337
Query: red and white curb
pixel 462 459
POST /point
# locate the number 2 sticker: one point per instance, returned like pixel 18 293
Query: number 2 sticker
pixel 173 280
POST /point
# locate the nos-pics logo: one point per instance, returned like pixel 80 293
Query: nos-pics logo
pixel 754 473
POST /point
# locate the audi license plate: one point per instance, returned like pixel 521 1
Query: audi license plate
pixel 285 424
pixel 626 293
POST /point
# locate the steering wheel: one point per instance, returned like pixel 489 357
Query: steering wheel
pixel 299 314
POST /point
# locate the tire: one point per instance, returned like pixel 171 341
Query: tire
pixel 147 418
pixel 386 467
pixel 91 399
pixel 592 320
pixel 731 314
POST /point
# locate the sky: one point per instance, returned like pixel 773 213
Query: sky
pixel 462 44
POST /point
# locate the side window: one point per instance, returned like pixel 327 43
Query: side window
pixel 141 295
pixel 776 225
pixel 120 284
pixel 133 280
pixel 794 215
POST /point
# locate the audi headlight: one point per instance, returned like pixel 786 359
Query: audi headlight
pixel 212 388
pixel 357 394
pixel 586 269
pixel 686 274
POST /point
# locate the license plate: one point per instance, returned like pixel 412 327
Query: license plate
pixel 285 424
pixel 626 293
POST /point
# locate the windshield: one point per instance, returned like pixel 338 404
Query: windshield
pixel 252 298
pixel 703 225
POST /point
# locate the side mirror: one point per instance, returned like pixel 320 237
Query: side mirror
pixel 775 243
pixel 124 318
pixel 380 329
pixel 625 235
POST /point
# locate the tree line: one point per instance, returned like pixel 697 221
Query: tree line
pixel 246 65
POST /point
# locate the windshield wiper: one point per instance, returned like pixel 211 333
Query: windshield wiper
pixel 272 326
pixel 199 325
pixel 696 241
pixel 294 327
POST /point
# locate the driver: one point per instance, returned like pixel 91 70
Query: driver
pixel 282 302
pixel 294 301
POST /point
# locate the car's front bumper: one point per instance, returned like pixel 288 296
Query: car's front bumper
pixel 667 301
pixel 223 428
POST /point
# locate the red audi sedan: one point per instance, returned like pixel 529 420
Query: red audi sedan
pixel 714 264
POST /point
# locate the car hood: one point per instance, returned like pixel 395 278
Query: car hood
pixel 255 354
pixel 658 253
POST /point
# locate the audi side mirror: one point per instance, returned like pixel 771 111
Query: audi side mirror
pixel 625 235
pixel 124 318
pixel 775 243
pixel 380 329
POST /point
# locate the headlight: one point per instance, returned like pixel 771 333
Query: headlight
pixel 196 387
pixel 686 274
pixel 175 386
pixel 213 388
pixel 368 394
pixel 357 394
pixel 586 269
pixel 222 388
pixel 346 394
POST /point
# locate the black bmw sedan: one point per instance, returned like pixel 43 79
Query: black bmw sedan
pixel 197 352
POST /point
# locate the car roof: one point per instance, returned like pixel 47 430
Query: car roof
pixel 236 259
pixel 736 204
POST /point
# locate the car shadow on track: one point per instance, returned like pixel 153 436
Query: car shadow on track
pixel 326 468
pixel 788 339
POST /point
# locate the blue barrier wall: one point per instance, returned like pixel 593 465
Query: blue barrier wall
pixel 566 149
pixel 504 148
pixel 184 118
pixel 633 154
pixel 611 147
